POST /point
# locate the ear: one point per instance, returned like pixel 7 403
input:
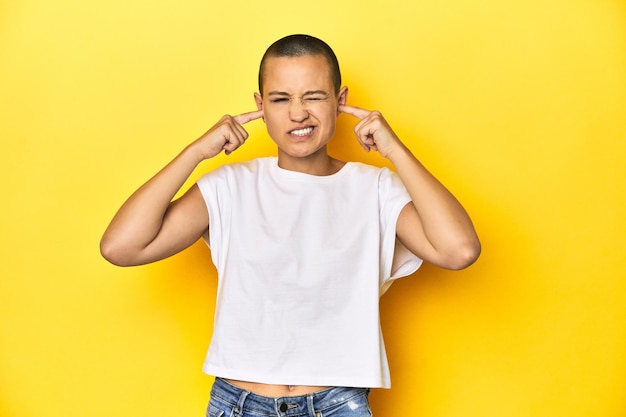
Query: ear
pixel 342 98
pixel 259 103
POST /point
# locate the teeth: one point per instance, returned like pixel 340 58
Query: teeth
pixel 302 132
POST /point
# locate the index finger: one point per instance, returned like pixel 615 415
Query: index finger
pixel 354 111
pixel 248 117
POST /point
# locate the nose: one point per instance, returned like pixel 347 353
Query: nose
pixel 298 111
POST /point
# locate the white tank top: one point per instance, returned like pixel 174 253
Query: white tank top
pixel 302 261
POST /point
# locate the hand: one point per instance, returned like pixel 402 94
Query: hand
pixel 227 134
pixel 372 130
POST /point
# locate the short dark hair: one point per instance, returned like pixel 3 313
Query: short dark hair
pixel 302 45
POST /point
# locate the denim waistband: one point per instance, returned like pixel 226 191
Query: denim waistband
pixel 299 405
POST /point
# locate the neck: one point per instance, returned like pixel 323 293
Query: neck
pixel 320 164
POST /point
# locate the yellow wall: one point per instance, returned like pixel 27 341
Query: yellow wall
pixel 518 106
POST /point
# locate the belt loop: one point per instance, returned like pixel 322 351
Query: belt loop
pixel 242 398
pixel 310 405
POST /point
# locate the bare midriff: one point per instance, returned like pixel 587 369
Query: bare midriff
pixel 270 390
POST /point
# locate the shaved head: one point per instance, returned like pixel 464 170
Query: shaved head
pixel 301 45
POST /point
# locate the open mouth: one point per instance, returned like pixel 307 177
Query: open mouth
pixel 302 132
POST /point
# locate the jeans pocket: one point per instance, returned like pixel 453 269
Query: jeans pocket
pixel 214 410
pixel 211 412
pixel 356 407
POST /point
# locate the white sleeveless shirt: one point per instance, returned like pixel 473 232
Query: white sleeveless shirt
pixel 302 261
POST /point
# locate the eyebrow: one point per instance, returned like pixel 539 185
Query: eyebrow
pixel 315 92
pixel 306 93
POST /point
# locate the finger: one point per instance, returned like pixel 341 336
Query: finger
pixel 248 117
pixel 233 142
pixel 366 131
pixel 242 134
pixel 354 111
pixel 366 128
pixel 239 131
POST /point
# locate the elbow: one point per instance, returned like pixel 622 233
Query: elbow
pixel 463 256
pixel 114 253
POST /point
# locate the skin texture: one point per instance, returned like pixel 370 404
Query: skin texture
pixel 299 94
pixel 300 108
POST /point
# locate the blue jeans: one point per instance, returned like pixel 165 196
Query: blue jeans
pixel 228 400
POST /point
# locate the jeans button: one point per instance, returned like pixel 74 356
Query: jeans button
pixel 283 407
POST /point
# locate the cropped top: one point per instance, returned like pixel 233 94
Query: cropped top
pixel 302 261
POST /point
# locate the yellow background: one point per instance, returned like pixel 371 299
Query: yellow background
pixel 518 106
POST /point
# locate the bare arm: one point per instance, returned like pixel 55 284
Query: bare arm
pixel 150 226
pixel 434 226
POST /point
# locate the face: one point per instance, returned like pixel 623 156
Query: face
pixel 299 105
